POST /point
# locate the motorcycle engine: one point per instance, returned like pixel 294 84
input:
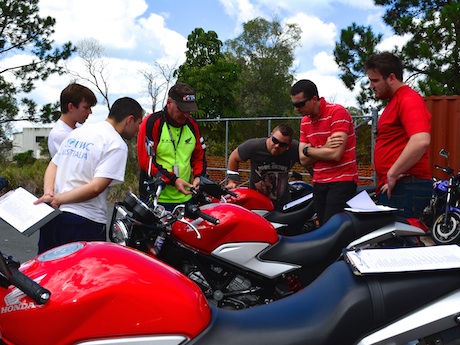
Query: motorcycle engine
pixel 236 294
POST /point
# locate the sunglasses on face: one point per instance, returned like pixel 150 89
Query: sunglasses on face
pixel 299 104
pixel 280 143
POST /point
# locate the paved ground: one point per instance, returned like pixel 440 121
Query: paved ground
pixel 14 243
pixel 21 247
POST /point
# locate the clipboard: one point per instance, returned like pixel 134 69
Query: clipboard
pixel 414 259
pixel 18 210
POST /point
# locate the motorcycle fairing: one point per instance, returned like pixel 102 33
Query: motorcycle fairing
pixel 160 340
pixel 387 232
pixel 245 255
pixel 337 308
pixel 435 317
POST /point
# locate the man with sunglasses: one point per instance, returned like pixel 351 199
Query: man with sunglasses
pixel 328 142
pixel 271 160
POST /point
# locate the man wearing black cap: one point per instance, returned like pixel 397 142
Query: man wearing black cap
pixel 176 148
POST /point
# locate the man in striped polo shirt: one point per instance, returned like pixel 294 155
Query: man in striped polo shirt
pixel 328 142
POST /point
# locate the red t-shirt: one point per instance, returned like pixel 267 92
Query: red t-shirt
pixel 332 118
pixel 405 115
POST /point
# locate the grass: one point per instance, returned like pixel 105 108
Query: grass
pixel 30 177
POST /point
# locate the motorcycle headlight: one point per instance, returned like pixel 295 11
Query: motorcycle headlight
pixel 119 231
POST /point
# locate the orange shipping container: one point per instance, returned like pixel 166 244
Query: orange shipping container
pixel 445 125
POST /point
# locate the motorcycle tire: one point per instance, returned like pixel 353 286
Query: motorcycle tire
pixel 449 235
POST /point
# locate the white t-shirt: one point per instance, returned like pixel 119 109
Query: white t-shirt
pixel 94 150
pixel 58 133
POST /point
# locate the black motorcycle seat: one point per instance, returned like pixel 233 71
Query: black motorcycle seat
pixel 337 308
pixel 325 243
pixel 296 215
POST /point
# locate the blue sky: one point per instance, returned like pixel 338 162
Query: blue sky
pixel 137 33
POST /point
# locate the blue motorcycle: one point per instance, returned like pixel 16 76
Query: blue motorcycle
pixel 443 213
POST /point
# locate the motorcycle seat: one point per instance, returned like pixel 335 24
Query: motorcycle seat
pixel 328 240
pixel 337 308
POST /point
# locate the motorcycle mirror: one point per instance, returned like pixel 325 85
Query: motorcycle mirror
pixel 4 270
pixel 210 187
pixel 149 147
pixel 444 153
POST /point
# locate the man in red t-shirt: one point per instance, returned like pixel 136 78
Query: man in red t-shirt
pixel 403 138
pixel 328 142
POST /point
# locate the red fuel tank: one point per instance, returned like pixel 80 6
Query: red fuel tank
pixel 101 290
pixel 251 199
pixel 237 224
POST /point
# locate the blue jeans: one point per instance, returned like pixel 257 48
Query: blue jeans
pixel 409 197
pixel 69 227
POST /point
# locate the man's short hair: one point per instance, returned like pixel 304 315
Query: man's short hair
pixel 385 63
pixel 285 130
pixel 306 86
pixel 124 107
pixel 75 93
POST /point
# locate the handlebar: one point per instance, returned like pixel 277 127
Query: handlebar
pixel 193 211
pixel 31 288
pixel 447 170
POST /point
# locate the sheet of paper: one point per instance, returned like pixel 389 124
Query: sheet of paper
pixel 17 208
pixel 405 259
pixel 362 202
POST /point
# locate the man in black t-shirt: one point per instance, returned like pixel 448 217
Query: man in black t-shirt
pixel 271 160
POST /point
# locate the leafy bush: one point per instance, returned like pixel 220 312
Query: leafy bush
pixel 24 158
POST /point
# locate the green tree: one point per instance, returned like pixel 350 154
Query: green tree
pixel 265 52
pixel 214 78
pixel 431 55
pixel 210 73
pixel 23 30
pixel 433 52
pixel 356 44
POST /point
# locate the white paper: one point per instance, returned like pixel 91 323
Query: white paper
pixel 405 259
pixel 362 202
pixel 17 209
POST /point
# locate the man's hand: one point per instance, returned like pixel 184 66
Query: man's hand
pixel 183 186
pixel 48 198
pixel 333 141
pixel 231 184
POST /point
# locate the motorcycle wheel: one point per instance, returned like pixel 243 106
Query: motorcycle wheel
pixel 448 235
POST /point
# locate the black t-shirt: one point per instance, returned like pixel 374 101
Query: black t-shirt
pixel 269 174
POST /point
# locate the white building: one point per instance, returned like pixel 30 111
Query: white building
pixel 29 139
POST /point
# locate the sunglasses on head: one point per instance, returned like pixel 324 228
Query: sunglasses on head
pixel 299 104
pixel 280 143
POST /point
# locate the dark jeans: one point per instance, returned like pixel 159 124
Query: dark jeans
pixel 69 227
pixel 331 198
pixel 409 197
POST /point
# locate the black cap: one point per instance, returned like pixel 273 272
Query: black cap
pixel 184 96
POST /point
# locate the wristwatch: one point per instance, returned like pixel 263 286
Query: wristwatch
pixel 305 151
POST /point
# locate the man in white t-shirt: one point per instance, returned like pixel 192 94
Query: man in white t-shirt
pixel 90 161
pixel 76 102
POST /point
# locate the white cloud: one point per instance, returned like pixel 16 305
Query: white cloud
pixel 315 32
pixel 241 10
pixel 391 42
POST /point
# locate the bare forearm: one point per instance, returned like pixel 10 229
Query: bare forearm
pixel 414 150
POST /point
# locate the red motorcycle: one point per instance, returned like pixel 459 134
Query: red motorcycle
pixel 100 293
pixel 296 217
pixel 236 256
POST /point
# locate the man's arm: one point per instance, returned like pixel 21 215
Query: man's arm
pixel 412 153
pixel 332 150
pixel 85 192
pixel 233 176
